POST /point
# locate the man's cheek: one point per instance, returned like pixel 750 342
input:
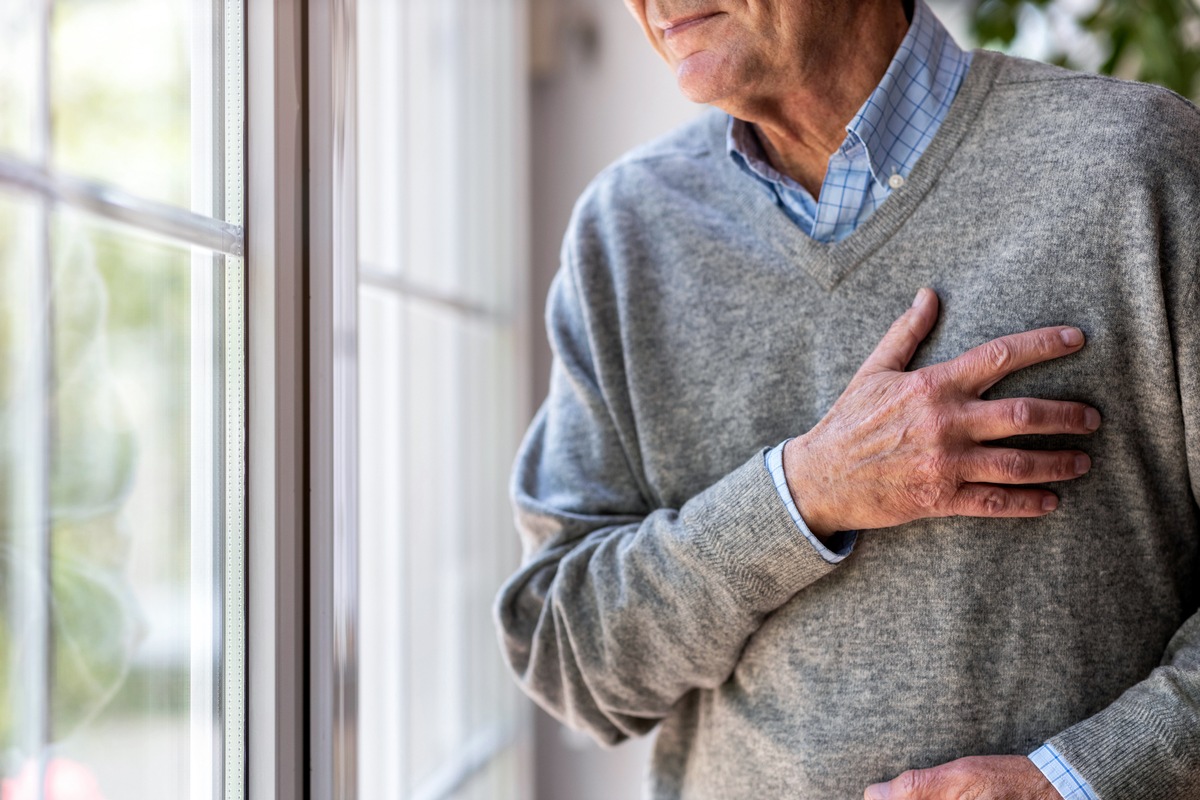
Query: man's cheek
pixel 638 9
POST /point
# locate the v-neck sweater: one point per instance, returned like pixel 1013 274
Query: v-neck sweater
pixel 664 585
pixel 884 139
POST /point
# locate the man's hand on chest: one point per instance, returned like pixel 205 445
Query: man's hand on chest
pixel 900 446
pixel 976 777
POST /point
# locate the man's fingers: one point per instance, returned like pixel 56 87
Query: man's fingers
pixel 985 500
pixel 978 369
pixel 1011 465
pixel 915 784
pixel 897 346
pixel 988 420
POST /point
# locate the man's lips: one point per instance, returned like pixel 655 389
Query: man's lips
pixel 674 27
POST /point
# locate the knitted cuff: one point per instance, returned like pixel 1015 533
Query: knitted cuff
pixel 746 534
pixel 1135 751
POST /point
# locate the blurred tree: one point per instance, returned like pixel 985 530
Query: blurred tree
pixel 1157 41
pixel 96 624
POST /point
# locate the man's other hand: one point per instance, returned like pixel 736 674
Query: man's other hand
pixel 899 446
pixel 977 777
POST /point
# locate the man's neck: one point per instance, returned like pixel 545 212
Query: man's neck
pixel 802 124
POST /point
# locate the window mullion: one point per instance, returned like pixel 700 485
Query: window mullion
pixel 207 441
pixel 277 436
pixel 333 512
pixel 34 413
pixel 111 203
pixel 231 189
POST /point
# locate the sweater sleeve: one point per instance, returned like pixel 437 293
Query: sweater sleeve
pixel 1146 745
pixel 620 608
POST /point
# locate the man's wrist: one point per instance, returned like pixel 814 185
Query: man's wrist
pixel 836 547
pixel 797 471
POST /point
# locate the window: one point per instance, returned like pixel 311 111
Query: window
pixel 441 276
pixel 196 482
pixel 122 399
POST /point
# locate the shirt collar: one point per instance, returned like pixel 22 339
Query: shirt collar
pixel 894 124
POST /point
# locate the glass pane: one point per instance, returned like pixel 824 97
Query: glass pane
pixel 24 472
pixel 380 140
pixel 122 397
pixel 430 146
pixel 435 498
pixel 461 432
pixel 439 179
pixel 129 709
pixel 441 234
pixel 488 419
pixel 147 95
pixel 19 62
pixel 489 176
pixel 382 610
pixel 497 781
pixel 120 84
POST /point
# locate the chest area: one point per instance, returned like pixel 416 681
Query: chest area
pixel 738 354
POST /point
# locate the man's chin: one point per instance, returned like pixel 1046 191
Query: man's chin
pixel 704 77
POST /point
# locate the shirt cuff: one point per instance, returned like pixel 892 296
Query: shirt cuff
pixel 1069 783
pixel 839 545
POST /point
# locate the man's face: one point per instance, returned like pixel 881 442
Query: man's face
pixel 741 50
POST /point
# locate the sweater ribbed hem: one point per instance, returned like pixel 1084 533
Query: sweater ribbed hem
pixel 745 533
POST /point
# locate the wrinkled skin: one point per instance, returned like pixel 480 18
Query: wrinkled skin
pixel 797 69
pixel 974 778
pixel 900 446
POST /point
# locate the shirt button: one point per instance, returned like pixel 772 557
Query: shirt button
pixel 896 181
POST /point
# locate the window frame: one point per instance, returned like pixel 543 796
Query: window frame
pixel 217 691
pixel 302 399
pixel 333 398
pixel 301 276
pixel 277 552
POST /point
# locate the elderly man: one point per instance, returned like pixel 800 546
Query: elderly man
pixel 817 560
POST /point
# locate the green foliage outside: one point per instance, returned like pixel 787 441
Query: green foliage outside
pixel 95 621
pixel 119 461
pixel 1157 41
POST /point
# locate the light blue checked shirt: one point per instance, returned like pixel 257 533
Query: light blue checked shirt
pixel 883 142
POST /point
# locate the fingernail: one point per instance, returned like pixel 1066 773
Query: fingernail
pixel 1091 419
pixel 1049 503
pixel 1082 464
pixel 916 302
pixel 878 791
pixel 1072 336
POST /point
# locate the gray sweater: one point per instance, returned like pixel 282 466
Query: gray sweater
pixel 694 326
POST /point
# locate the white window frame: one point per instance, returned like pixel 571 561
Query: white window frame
pixel 302 399
pixel 333 399
pixel 276 362
pixel 302 273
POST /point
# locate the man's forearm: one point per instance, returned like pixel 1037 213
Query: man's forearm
pixel 611 620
